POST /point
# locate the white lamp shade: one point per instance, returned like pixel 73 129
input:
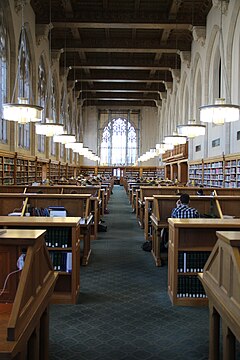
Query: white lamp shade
pixel 22 112
pixel 191 130
pixel 49 128
pixel 64 138
pixel 175 140
pixel 219 113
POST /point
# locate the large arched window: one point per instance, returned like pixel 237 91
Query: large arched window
pixel 3 75
pixel 24 87
pixel 119 142
pixel 53 102
pixel 42 94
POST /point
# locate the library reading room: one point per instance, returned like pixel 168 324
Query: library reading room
pixel 119 180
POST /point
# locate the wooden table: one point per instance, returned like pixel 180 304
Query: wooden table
pixel 190 243
pixel 24 320
pixel 67 231
pixel 221 280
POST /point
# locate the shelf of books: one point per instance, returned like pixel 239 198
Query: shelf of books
pixel 195 172
pixel 63 244
pixel 71 171
pixel 63 170
pixel 213 172
pixel 88 170
pixel 132 172
pixel 25 170
pixel 53 171
pixel 232 171
pixel 105 171
pixel 148 172
pixel 7 168
pixel 188 251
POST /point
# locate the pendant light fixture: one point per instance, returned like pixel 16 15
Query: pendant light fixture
pixel 175 139
pixel 21 112
pixel 220 112
pixel 50 127
pixel 162 147
pixel 191 129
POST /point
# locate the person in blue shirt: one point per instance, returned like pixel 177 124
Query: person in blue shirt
pixel 183 210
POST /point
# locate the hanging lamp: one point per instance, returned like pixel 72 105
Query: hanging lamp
pixel 220 112
pixel 21 112
pixel 175 139
pixel 191 129
pixel 64 138
pixel 49 128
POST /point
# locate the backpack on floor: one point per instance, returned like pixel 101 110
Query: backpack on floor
pixel 102 228
pixel 147 246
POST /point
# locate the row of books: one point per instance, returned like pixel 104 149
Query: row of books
pixel 51 211
pixel 192 261
pixel 58 237
pixel 62 261
pixel 190 287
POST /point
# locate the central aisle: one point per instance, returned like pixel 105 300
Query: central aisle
pixel 124 312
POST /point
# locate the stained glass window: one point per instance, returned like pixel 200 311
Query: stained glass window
pixel 119 143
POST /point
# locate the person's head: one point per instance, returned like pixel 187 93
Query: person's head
pixel 200 192
pixel 184 198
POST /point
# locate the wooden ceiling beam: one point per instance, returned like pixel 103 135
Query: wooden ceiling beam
pixel 116 67
pixel 123 50
pixel 116 25
pixel 120 80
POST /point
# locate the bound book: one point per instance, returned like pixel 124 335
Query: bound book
pixel 57 211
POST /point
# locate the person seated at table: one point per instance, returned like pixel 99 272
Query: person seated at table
pixel 183 210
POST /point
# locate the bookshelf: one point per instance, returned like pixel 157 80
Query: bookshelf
pixel 53 170
pixel 63 243
pixel 232 171
pixel 148 172
pixel 7 168
pixel 195 172
pixel 25 170
pixel 132 172
pixel 105 171
pixel 223 171
pixel 190 243
pixel 71 171
pixel 88 170
pixel 31 170
pixel 213 172
pixel 63 170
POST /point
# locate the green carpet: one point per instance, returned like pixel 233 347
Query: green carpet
pixel 124 312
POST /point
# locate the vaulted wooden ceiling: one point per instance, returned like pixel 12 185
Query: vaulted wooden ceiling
pixel 121 52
